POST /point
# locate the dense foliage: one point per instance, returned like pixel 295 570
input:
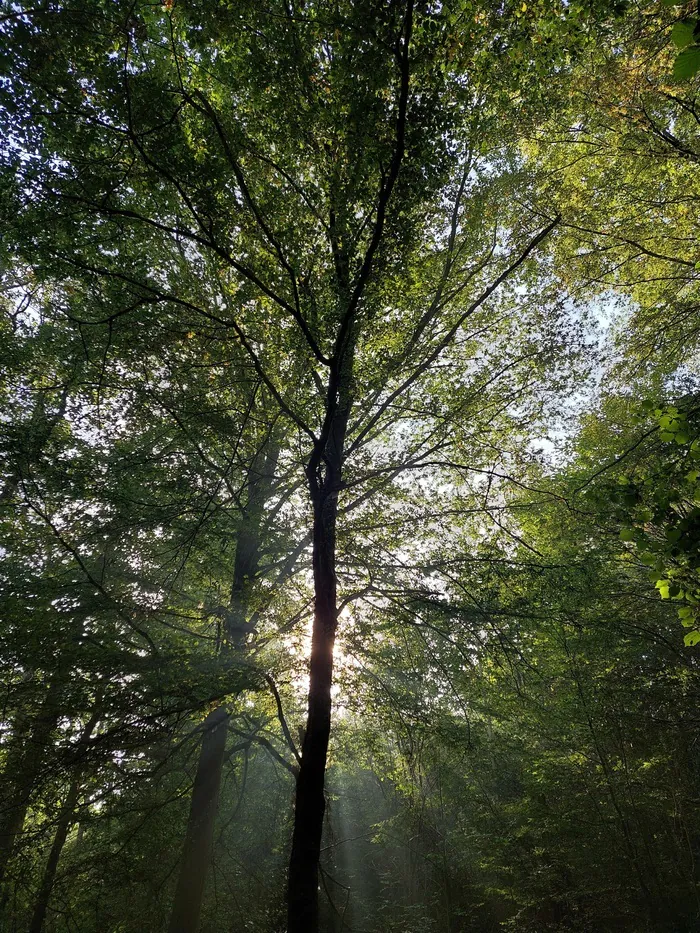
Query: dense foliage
pixel 349 466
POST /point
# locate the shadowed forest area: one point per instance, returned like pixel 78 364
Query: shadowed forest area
pixel 349 466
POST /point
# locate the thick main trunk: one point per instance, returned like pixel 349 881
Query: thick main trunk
pixel 199 838
pixel 310 800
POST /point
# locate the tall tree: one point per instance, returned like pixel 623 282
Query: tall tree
pixel 317 184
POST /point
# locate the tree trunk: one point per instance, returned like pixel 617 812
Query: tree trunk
pixel 205 793
pixel 22 768
pixel 310 800
pixel 248 539
pixel 199 837
pixel 65 820
pixel 324 474
pixel 64 823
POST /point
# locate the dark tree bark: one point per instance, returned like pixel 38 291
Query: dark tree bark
pixel 310 803
pixel 31 737
pixel 65 821
pixel 22 769
pixel 196 856
pixel 324 475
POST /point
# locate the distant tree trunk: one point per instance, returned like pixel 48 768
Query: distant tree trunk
pixel 10 829
pixel 248 540
pixel 22 768
pixel 32 735
pixel 205 793
pixel 64 823
pixel 65 819
pixel 199 837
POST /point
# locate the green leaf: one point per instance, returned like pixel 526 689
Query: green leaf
pixel 686 614
pixel 682 33
pixel 692 638
pixel 687 63
pixel 627 534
